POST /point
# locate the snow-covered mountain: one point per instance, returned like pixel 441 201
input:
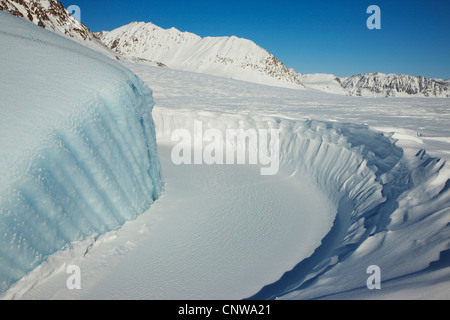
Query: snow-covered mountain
pixel 322 81
pixel 443 82
pixel 51 15
pixel 394 85
pixel 230 57
pixel 377 85
pixel 80 152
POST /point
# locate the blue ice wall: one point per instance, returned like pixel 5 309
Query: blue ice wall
pixel 78 151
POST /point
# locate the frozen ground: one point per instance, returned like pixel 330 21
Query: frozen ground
pixel 355 189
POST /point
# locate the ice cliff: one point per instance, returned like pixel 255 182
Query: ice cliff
pixel 78 152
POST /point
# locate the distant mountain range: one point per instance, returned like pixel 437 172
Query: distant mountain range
pixel 378 85
pixel 230 57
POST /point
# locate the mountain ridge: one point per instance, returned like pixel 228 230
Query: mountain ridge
pixel 394 85
pixel 228 56
pixel 225 56
pixel 377 84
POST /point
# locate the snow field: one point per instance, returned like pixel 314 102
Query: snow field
pixel 314 152
pixel 369 185
pixel 386 202
pixel 386 139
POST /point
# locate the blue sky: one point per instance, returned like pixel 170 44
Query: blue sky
pixel 325 36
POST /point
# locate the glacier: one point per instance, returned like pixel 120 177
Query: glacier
pixel 78 152
pixel 79 159
pixel 390 199
pixel 367 155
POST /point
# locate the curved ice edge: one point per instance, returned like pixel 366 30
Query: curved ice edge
pixel 86 179
pixel 380 190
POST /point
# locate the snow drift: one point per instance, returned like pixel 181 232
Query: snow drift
pixel 392 206
pixel 78 153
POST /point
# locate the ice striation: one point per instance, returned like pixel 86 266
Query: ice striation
pixel 78 152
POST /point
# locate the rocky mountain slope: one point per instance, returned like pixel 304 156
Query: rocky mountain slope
pixel 394 85
pixel 51 15
pixel 230 57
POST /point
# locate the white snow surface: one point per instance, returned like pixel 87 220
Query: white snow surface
pixel 388 203
pixel 399 218
pixel 376 85
pixel 78 151
pixel 356 188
